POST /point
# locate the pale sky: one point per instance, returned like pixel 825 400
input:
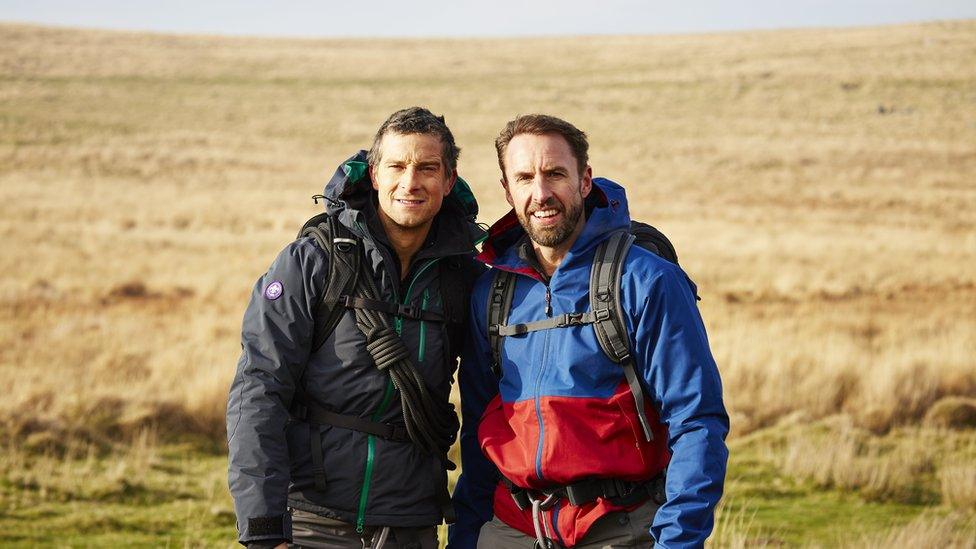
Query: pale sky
pixel 413 18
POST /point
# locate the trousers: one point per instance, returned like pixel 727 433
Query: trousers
pixel 614 530
pixel 316 532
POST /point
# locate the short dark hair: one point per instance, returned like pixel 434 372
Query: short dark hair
pixel 542 124
pixel 416 120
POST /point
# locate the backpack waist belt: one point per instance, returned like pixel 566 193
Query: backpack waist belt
pixel 623 493
pixel 317 415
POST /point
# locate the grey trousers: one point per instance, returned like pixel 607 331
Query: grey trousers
pixel 613 530
pixel 316 532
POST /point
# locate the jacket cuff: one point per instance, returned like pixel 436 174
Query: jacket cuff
pixel 273 528
pixel 265 543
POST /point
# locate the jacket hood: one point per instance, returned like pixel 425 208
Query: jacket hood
pixel 349 197
pixel 607 212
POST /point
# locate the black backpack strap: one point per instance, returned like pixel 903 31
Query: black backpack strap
pixel 395 309
pixel 457 276
pixel 345 252
pixel 499 305
pixel 611 330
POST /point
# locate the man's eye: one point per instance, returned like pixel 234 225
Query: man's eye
pixel 428 169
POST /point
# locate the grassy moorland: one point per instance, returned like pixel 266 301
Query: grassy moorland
pixel 818 185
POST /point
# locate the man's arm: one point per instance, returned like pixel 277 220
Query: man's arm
pixel 275 340
pixel 478 385
pixel 673 355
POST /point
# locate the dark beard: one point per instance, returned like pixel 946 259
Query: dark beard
pixel 554 236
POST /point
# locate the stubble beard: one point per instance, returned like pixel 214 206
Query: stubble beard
pixel 553 236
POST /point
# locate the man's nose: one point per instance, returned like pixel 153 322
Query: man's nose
pixel 409 179
pixel 541 193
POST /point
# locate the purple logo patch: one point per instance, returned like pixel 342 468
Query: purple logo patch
pixel 274 290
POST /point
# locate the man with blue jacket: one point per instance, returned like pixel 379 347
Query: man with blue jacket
pixel 554 449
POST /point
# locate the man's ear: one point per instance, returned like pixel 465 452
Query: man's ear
pixel 451 182
pixel 586 182
pixel 372 177
pixel 508 195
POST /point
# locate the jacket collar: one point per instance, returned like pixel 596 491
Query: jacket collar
pixel 351 199
pixel 608 212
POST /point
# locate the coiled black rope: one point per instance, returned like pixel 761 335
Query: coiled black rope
pixel 431 424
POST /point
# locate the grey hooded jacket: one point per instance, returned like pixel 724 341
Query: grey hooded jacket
pixel 369 480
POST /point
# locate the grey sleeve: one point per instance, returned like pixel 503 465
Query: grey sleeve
pixel 275 340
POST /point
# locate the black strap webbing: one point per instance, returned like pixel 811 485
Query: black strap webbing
pixel 321 416
pixel 344 257
pixel 318 460
pixel 396 309
pixel 316 416
pixel 499 305
pixel 611 331
pixel 618 492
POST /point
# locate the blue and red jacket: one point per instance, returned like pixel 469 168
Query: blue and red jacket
pixel 562 412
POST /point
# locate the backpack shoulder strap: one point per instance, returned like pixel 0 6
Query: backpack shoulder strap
pixel 499 305
pixel 457 277
pixel 344 250
pixel 611 330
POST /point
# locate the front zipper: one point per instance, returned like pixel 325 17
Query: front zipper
pixel 387 398
pixel 423 327
pixel 538 385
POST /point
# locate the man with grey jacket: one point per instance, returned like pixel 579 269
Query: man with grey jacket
pixel 340 439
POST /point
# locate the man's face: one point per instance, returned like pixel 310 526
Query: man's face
pixel 411 180
pixel 542 182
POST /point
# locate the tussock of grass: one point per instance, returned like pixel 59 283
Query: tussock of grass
pixel 925 531
pixel 957 477
pixel 910 466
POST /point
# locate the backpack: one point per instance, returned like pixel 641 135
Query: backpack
pixel 605 310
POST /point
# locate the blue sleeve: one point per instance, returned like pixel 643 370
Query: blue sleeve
pixel 275 339
pixel 673 355
pixel 478 385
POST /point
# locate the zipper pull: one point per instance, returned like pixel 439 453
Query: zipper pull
pixel 548 301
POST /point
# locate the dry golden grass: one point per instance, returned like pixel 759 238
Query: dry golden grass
pixel 957 480
pixel 818 186
pixel 909 465
pixel 926 531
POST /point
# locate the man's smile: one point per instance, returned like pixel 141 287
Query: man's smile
pixel 409 201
